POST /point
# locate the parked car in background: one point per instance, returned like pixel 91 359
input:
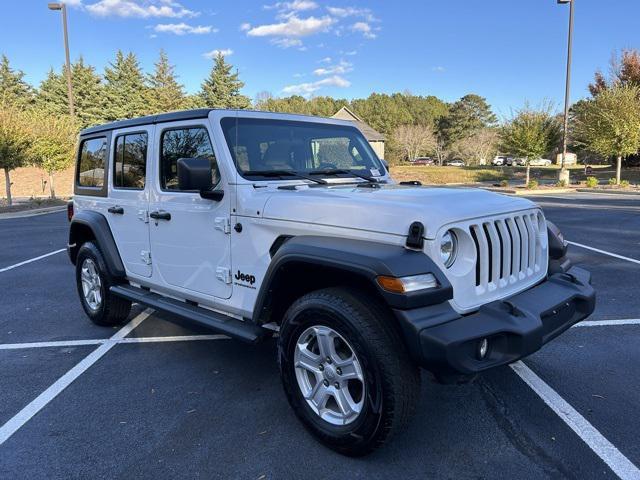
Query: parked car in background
pixel 540 162
pixel 455 163
pixel 499 160
pixel 519 162
pixel 423 161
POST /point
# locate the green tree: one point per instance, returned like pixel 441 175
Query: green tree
pixel 14 143
pixel 125 92
pixel 531 133
pixel 222 88
pixel 87 93
pixel 13 89
pixel 609 124
pixel 382 112
pixel 52 143
pixel 466 116
pixel 165 93
pixel 625 70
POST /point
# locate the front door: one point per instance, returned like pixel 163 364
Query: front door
pixel 129 197
pixel 190 235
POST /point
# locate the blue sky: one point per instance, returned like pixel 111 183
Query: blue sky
pixel 508 51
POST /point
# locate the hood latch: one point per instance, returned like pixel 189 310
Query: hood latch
pixel 415 238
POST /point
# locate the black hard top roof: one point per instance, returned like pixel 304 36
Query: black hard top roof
pixel 151 119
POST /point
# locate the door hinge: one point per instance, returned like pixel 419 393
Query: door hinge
pixel 223 274
pixel 143 215
pixel 223 224
pixel 145 255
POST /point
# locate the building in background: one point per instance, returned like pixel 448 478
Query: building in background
pixel 375 139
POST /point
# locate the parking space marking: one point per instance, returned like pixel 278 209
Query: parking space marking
pixel 605 323
pixel 182 338
pixel 11 267
pixel 602 447
pixel 41 401
pixel 61 343
pixel 604 252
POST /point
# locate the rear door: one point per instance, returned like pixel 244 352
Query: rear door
pixel 127 212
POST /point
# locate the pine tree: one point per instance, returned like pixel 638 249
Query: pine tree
pixel 222 88
pixel 13 89
pixel 165 93
pixel 87 93
pixel 125 92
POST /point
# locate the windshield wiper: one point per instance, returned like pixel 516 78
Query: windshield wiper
pixel 283 173
pixel 338 171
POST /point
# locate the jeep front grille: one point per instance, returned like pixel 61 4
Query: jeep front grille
pixel 508 250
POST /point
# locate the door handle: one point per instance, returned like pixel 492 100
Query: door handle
pixel 116 210
pixel 160 215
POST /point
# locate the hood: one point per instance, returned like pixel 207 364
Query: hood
pixel 388 209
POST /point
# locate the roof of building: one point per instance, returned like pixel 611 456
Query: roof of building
pixel 370 134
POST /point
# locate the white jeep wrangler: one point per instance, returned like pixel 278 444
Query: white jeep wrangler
pixel 250 222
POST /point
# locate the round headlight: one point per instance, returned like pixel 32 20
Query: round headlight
pixel 448 248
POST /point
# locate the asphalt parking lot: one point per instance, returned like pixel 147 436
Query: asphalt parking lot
pixel 155 400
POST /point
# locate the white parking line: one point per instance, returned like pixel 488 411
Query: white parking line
pixel 602 447
pixel 604 252
pixel 100 341
pixel 605 323
pixel 10 267
pixel 24 415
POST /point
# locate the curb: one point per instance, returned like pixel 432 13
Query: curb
pixel 32 212
pixel 608 191
pixel 525 192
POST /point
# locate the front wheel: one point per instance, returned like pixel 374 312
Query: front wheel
pixel 345 370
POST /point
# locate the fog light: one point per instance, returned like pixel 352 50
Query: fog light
pixel 483 348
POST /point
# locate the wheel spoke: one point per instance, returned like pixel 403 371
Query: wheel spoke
pixel 325 343
pixel 345 403
pixel 85 276
pixel 97 295
pixel 307 360
pixel 350 370
pixel 319 395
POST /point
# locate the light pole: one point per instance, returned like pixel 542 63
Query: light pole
pixel 564 173
pixel 63 7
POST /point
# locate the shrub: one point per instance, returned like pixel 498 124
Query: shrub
pixel 532 185
pixel 592 182
pixel 612 181
pixel 504 183
pixel 561 183
pixel 624 183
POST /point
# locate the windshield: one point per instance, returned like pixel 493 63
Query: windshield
pixel 263 147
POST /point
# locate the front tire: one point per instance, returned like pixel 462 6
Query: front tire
pixel 93 282
pixel 345 370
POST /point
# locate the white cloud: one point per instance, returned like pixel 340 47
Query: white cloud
pixel 339 69
pixel 73 3
pixel 350 53
pixel 140 9
pixel 184 29
pixel 293 27
pixel 307 88
pixel 350 12
pixel 214 53
pixel 296 6
pixel 245 26
pixel 363 28
pixel 325 60
pixel 439 68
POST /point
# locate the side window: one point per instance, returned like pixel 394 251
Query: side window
pixel 187 142
pixel 93 156
pixel 130 161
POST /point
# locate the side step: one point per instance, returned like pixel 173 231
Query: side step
pixel 244 331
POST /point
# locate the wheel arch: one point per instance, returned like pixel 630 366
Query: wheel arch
pixel 306 263
pixel 93 226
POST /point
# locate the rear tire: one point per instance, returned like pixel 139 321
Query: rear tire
pixel 93 282
pixel 358 324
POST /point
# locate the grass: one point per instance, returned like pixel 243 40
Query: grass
pixel 19 206
pixel 434 175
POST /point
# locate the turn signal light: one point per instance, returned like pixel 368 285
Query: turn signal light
pixel 407 284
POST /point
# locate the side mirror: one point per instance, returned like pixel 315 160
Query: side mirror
pixel 195 174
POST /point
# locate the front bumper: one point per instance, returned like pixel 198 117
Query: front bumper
pixel 446 343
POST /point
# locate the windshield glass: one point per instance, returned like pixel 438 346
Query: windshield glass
pixel 265 145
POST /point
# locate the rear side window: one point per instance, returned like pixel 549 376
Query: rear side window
pixel 130 161
pixel 188 142
pixel 93 158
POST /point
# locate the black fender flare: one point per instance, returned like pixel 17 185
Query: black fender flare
pixel 367 259
pixel 99 227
